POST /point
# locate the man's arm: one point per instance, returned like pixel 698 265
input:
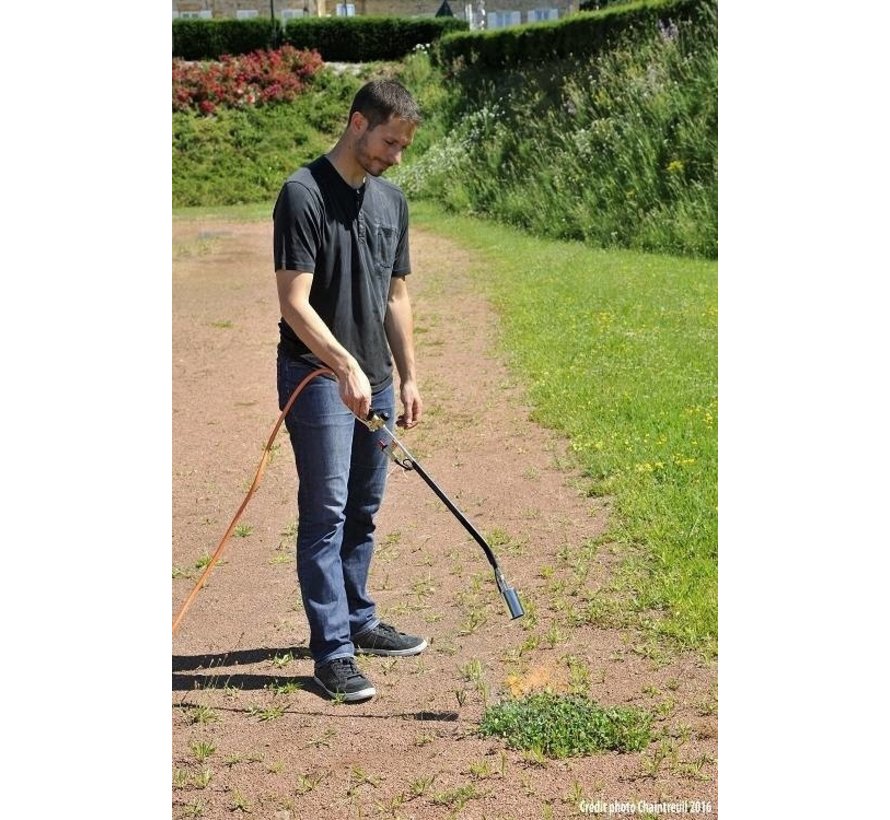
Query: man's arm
pixel 399 326
pixel 293 296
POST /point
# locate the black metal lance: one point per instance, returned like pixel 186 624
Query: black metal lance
pixel 400 455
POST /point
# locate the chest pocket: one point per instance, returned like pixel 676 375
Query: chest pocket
pixel 384 240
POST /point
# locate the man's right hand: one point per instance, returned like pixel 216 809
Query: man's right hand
pixel 355 390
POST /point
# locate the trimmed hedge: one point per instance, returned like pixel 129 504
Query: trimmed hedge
pixel 364 39
pixel 579 34
pixel 210 39
pixel 341 39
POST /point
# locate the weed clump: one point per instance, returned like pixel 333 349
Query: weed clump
pixel 559 726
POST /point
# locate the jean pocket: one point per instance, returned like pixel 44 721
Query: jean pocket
pixel 281 381
pixel 289 374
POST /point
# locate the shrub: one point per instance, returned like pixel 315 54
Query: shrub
pixel 258 78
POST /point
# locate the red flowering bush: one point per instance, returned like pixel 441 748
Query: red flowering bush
pixel 258 78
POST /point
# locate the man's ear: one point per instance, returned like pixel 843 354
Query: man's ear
pixel 358 123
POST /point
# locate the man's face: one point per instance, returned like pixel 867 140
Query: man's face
pixel 380 148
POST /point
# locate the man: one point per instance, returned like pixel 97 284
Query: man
pixel 341 258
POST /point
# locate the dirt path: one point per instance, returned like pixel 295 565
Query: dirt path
pixel 284 752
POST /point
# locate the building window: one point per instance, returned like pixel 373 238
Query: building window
pixel 345 9
pixel 205 14
pixel 292 14
pixel 502 19
pixel 539 15
pixel 245 14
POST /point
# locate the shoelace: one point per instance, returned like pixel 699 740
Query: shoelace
pixel 347 667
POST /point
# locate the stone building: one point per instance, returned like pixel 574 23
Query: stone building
pixel 482 13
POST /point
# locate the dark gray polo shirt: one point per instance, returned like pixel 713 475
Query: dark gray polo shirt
pixel 354 242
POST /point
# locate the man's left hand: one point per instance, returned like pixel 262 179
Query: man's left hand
pixel 413 405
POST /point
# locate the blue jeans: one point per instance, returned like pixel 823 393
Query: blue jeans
pixel 342 475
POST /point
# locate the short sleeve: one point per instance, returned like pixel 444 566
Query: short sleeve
pixel 402 264
pixel 297 233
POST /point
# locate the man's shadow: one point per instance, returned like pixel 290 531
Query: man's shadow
pixel 216 670
pixel 217 673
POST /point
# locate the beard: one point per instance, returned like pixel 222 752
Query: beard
pixel 370 164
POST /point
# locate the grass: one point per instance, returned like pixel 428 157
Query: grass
pixel 308 781
pixel 239 803
pixel 359 777
pixel 202 749
pixel 560 726
pixel 268 713
pixel 623 360
pixel 201 715
pixel 287 688
pixel 195 808
pixel 421 785
pixel 203 561
pixel 202 779
pixel 280 661
pixel 252 212
pixel 457 797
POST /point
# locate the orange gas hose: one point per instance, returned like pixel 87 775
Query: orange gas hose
pixel 256 483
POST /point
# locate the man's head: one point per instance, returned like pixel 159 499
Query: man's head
pixel 380 100
pixel 382 122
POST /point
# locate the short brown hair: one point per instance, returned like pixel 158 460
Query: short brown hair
pixel 379 100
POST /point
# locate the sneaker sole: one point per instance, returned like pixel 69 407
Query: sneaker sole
pixel 362 694
pixel 401 653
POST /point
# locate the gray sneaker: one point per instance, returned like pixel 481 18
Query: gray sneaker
pixel 384 639
pixel 341 678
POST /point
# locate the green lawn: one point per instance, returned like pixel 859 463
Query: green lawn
pixel 254 212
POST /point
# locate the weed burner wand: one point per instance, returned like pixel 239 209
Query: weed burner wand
pixel 397 452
